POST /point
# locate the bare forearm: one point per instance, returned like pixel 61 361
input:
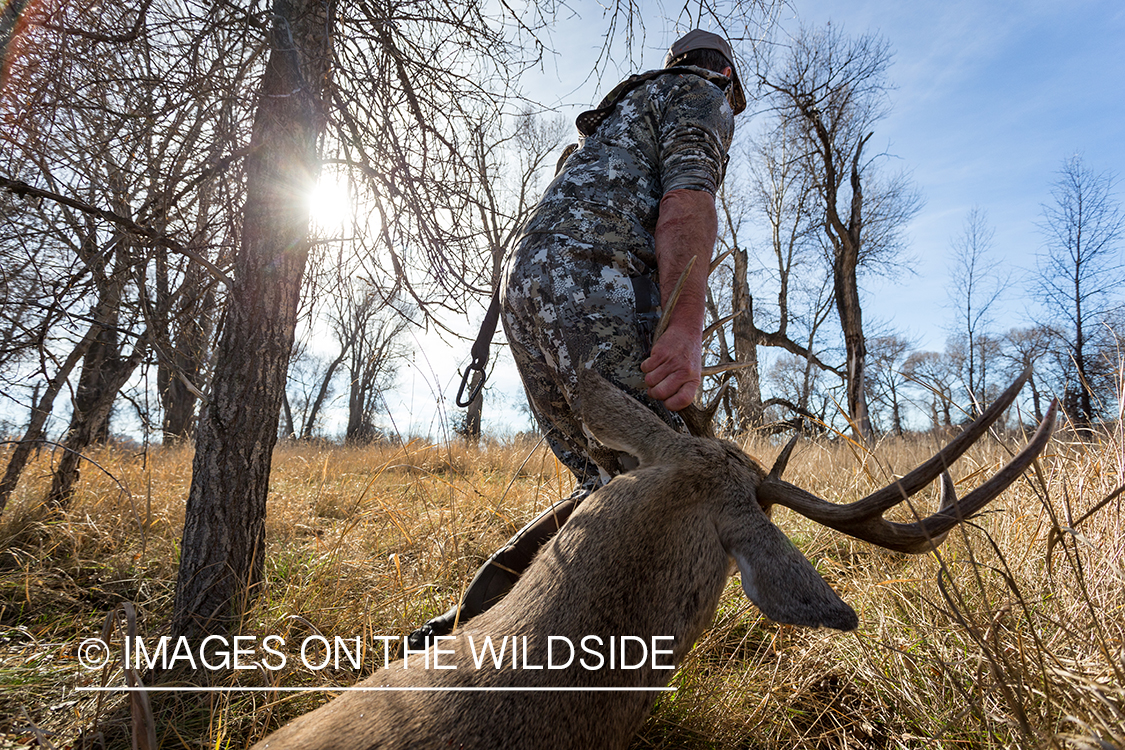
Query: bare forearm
pixel 686 228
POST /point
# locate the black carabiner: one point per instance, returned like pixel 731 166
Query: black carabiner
pixel 476 388
pixel 480 352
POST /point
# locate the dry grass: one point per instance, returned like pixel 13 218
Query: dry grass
pixel 1012 636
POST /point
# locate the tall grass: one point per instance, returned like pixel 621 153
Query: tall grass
pixel 1012 635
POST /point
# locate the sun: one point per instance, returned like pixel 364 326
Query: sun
pixel 330 203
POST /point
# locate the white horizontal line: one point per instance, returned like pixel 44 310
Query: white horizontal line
pixel 123 689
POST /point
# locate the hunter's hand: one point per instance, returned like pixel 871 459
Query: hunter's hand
pixel 674 369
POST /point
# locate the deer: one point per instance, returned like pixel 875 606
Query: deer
pixel 629 584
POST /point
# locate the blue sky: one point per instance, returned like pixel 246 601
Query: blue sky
pixel 990 98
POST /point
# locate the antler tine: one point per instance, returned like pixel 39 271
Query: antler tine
pixel 709 331
pixel 864 519
pixel 958 510
pixel 719 259
pixel 727 367
pixel 896 492
pixel 782 459
pixel 948 501
pixel 700 420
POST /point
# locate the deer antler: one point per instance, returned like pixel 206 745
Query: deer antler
pixel 864 520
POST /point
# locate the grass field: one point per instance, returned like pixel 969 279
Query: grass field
pixel 1012 636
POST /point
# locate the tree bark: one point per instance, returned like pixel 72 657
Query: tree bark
pixel 104 374
pixel 183 358
pixel 287 417
pixel 749 405
pixel 223 545
pixel 847 239
pixel 189 358
pixel 1035 400
pixel 473 417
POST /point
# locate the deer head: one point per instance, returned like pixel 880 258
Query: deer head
pixel 774 574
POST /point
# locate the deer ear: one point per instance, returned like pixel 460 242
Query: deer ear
pixel 781 582
pixel 620 422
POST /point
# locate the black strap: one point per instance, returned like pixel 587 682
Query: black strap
pixel 480 352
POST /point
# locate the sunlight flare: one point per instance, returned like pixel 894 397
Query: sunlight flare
pixel 331 203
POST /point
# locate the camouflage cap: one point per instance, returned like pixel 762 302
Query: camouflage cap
pixel 700 39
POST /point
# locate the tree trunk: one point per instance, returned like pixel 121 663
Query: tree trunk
pixel 749 405
pixel 360 427
pixel 896 412
pixel 89 417
pixel 178 399
pixel 161 334
pixel 356 431
pixel 223 545
pixel 846 242
pixel 104 374
pixel 187 359
pixel 39 414
pixel 1084 415
pixel 1035 401
pixel 321 395
pixel 855 347
pixel 287 417
pixel 473 418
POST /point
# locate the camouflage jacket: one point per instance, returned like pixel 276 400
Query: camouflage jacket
pixel 669 133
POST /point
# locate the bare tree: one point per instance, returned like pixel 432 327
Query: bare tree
pixel 310 386
pixel 106 189
pixel 936 375
pixel 1023 348
pixel 829 93
pixel 373 356
pixel 41 410
pixel 976 285
pixel 184 348
pixel 105 369
pixel 1080 270
pixel 788 262
pixel 730 283
pixel 807 398
pixel 988 355
pixel 745 408
pixel 887 383
pixel 510 165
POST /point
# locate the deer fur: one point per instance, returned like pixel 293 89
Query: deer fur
pixel 647 555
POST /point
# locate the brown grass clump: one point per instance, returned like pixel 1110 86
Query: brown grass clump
pixel 1012 635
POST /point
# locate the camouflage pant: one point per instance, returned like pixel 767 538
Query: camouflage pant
pixel 569 305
